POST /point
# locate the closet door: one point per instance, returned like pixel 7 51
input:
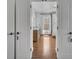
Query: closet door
pixel 10 29
pixel 64 40
pixel 23 49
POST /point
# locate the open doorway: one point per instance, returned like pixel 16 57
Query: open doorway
pixel 19 35
pixel 44 30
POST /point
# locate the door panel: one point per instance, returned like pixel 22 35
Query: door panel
pixel 23 27
pixel 64 27
pixel 10 29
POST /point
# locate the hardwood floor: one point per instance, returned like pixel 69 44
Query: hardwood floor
pixel 44 48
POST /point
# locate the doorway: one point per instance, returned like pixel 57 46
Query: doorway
pixel 45 24
pixel 20 30
pixel 44 30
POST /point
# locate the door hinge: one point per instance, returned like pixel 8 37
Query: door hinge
pixel 44 0
pixel 57 49
pixel 30 6
pixel 57 6
pixel 30 49
pixel 57 28
pixel 30 27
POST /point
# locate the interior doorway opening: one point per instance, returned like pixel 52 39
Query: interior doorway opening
pixel 44 30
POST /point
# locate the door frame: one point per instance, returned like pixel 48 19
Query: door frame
pixel 51 19
pixel 15 30
pixel 56 49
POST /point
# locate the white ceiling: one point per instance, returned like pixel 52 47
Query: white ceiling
pixel 44 7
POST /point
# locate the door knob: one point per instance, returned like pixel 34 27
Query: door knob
pixel 71 40
pixel 70 37
pixel 18 33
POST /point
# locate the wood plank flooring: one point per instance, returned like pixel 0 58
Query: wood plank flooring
pixel 44 48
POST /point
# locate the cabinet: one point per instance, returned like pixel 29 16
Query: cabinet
pixel 35 35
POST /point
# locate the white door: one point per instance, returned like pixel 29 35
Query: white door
pixel 10 29
pixel 64 39
pixel 18 45
pixel 23 49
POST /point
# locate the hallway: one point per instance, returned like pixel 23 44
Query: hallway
pixel 44 48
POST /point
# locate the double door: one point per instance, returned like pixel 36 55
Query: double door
pixel 18 29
